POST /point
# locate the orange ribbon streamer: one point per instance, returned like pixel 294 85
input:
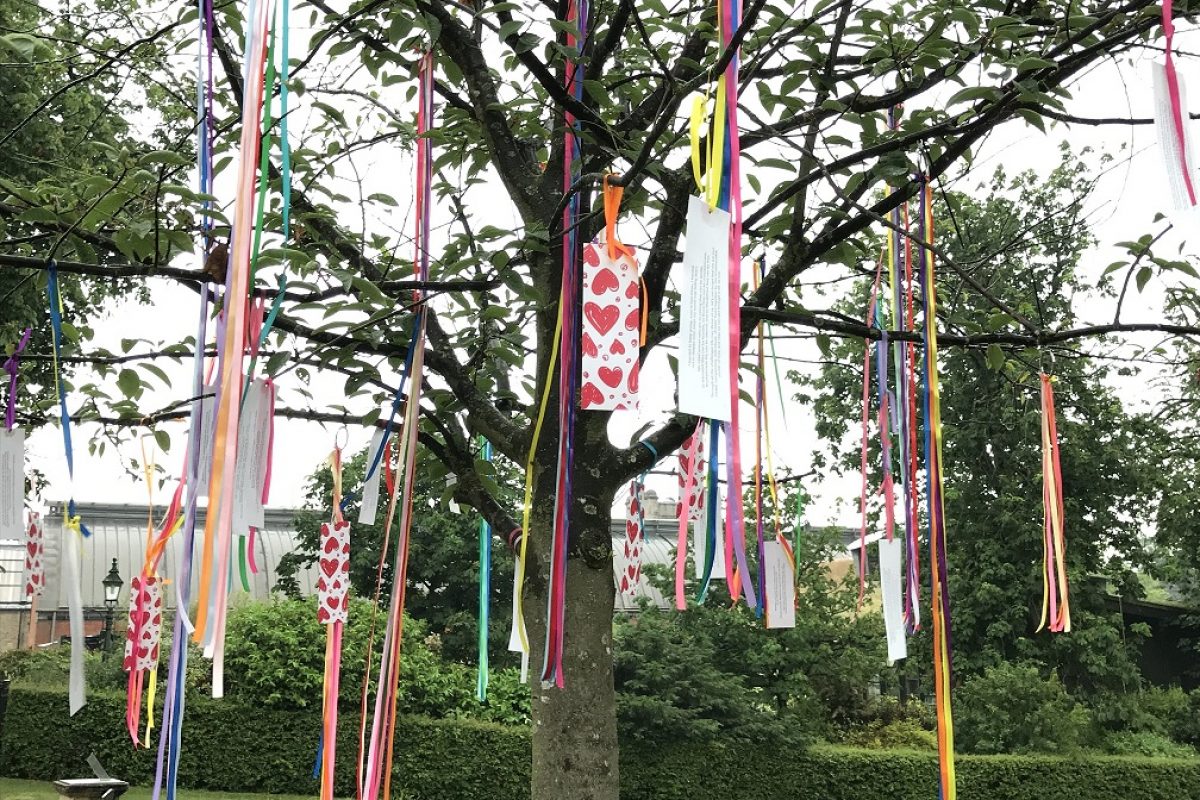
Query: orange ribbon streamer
pixel 1056 608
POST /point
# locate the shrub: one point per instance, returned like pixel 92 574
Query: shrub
pixel 902 734
pixel 1011 708
pixel 238 749
pixel 50 667
pixel 1144 743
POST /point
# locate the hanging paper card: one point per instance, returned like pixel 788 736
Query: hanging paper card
pixel 610 329
pixel 635 525
pixel 1176 152
pixel 696 471
pixel 333 583
pixel 781 586
pixel 35 552
pixel 890 570
pixel 254 438
pixel 71 568
pixel 208 421
pixel 12 484
pixel 704 314
pixel 369 504
pixel 144 631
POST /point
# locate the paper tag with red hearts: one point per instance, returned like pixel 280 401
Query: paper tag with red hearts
pixel 35 552
pixel 635 526
pixel 144 631
pixel 611 318
pixel 696 470
pixel 333 578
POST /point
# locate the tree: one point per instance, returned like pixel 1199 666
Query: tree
pixel 813 105
pixel 1031 233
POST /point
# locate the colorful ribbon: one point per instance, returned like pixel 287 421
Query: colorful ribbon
pixel 485 587
pixel 1056 608
pixel 942 662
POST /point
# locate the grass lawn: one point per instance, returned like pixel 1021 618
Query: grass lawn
pixel 43 790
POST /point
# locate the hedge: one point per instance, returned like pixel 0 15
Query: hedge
pixel 233 748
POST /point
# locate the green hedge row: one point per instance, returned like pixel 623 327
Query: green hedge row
pixel 234 748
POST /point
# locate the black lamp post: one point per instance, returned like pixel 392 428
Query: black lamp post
pixel 112 593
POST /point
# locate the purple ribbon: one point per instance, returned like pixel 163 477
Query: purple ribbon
pixel 11 366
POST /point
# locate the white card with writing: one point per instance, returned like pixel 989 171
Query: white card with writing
pixel 781 586
pixel 208 429
pixel 1177 155
pixel 369 505
pixel 254 441
pixel 12 484
pixel 891 568
pixel 704 387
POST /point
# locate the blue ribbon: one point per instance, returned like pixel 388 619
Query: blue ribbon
pixel 56 325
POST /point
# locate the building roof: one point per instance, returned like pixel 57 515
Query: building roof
pixel 119 532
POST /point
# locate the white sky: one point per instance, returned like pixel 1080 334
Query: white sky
pixel 1123 208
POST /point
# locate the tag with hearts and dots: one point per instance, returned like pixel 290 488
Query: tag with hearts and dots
pixel 333 578
pixel 611 317
pixel 144 631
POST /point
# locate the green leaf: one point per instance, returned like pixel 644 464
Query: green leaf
pixel 995 357
pixel 130 383
pixel 163 440
pixel 1143 277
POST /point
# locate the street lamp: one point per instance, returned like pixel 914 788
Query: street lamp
pixel 112 592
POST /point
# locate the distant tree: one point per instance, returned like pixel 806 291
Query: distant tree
pixel 1028 235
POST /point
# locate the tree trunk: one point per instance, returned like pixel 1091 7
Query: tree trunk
pixel 575 728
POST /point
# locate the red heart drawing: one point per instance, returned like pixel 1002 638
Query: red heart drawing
pixel 331 544
pixel 632 320
pixel 589 347
pixel 346 548
pixel 604 281
pixel 329 566
pixel 634 371
pixel 590 396
pixel 32 548
pixel 617 346
pixel 612 377
pixel 591 255
pixel 602 317
pixel 632 290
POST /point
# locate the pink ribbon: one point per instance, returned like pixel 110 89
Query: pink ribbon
pixel 685 516
pixel 1176 104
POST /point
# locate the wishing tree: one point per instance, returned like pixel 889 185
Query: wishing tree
pixel 535 107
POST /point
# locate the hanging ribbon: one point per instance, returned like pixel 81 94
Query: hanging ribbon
pixel 212 603
pixel 568 368
pixel 485 588
pixel 1056 609
pixel 376 771
pixel 690 504
pixel 872 322
pixel 333 588
pixel 12 365
pixel 73 528
pixel 169 742
pixel 942 662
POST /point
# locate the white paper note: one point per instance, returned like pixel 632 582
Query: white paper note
pixel 369 505
pixel 704 314
pixel 1168 137
pixel 12 484
pixel 70 574
pixel 781 586
pixel 254 438
pixel 891 567
pixel 208 425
